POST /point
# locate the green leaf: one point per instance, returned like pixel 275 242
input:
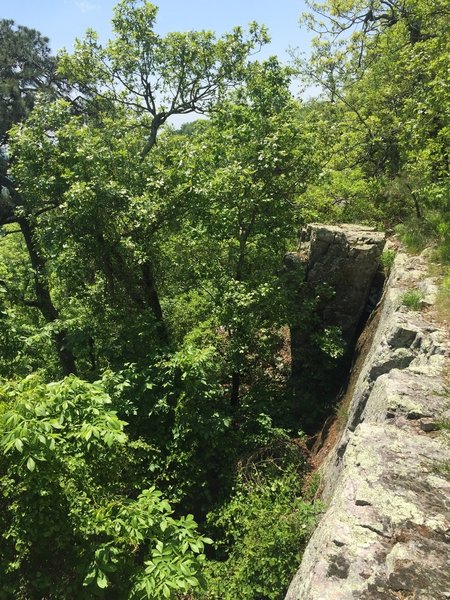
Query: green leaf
pixel 89 577
pixel 101 581
pixel 207 540
pixel 31 465
pixel 148 588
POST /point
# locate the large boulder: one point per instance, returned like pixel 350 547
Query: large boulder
pixel 345 258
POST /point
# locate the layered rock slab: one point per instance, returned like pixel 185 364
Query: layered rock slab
pixel 345 257
pixel 386 532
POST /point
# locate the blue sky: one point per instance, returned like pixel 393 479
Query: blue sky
pixel 63 20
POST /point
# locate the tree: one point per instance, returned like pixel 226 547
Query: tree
pixel 158 77
pixel 388 131
pixel 26 68
pixel 133 86
pixel 155 78
pixel 365 20
pixel 250 167
pixel 64 454
pixel 164 250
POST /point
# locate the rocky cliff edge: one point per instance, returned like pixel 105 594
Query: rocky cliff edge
pixel 386 531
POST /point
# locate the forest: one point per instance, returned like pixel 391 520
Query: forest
pixel 151 443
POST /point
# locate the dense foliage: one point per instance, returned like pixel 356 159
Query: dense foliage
pixel 144 308
pixel 384 115
pixel 65 456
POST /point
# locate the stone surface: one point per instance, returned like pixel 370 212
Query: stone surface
pixel 386 531
pixel 346 257
pixel 333 272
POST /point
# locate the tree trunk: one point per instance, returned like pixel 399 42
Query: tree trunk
pixel 235 386
pixel 44 300
pixel 152 298
pixel 142 291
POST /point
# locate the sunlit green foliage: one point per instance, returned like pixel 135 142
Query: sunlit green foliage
pixel 71 524
pixel 263 527
pixel 383 69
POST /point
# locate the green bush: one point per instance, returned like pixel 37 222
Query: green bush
pixel 177 404
pixel 71 526
pixel 263 528
pixel 412 299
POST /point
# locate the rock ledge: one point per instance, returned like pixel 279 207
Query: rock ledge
pixel 386 532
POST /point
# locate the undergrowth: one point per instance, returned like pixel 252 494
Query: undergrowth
pixel 442 304
pixel 263 528
pixel 443 467
pixel 387 260
pixel 412 299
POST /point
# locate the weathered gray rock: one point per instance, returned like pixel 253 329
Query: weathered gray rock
pixel 386 531
pixel 345 257
pixel 333 272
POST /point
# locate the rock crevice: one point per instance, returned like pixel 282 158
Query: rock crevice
pixel 330 280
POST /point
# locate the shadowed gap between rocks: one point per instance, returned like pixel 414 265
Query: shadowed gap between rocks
pixel 334 282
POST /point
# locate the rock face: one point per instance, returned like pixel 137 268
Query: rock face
pixel 386 531
pixel 337 263
pixel 345 257
pixel 330 281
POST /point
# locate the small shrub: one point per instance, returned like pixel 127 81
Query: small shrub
pixel 387 260
pixel 342 415
pixel 263 528
pixel 412 299
pixel 416 234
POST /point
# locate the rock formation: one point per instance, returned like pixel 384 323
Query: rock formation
pixel 386 529
pixel 346 258
pixel 330 279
